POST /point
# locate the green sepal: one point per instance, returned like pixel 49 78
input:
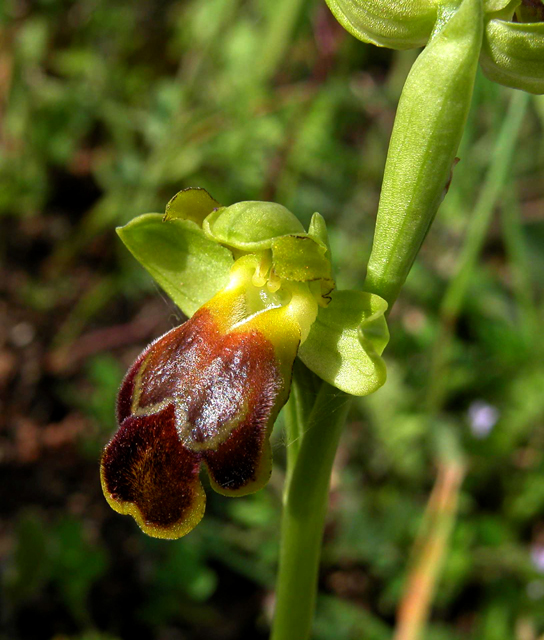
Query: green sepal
pixel 397 24
pixel 194 203
pixel 346 341
pixel 190 267
pixel 300 258
pixel 513 54
pixel 251 226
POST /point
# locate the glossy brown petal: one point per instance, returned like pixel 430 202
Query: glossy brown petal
pixel 207 391
pixel 241 463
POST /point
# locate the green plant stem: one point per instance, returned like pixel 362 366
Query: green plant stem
pixel 428 127
pixel 305 507
pixel 476 233
pixel 304 389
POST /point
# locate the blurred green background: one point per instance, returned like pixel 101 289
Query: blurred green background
pixel 107 109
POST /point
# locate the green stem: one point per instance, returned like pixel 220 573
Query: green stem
pixel 475 236
pixel 305 507
pixel 429 124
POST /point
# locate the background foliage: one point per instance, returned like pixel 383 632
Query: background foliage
pixel 108 108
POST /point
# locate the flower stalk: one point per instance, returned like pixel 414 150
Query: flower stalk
pixel 305 508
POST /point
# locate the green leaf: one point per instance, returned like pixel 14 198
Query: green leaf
pixel 346 341
pixel 397 24
pixel 190 267
pixel 251 226
pixel 513 54
pixel 193 204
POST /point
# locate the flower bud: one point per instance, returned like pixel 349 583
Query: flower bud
pixel 513 54
pixel 397 24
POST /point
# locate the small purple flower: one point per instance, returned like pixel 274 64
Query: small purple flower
pixel 482 418
pixel 537 556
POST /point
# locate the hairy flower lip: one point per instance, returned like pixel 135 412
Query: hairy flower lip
pixel 205 393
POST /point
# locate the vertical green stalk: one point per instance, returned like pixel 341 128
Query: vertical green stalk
pixel 481 216
pixel 430 120
pixel 305 507
pixel 304 389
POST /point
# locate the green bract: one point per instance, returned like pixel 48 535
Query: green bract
pixel 250 226
pixel 513 45
pixel 191 250
pixel 430 119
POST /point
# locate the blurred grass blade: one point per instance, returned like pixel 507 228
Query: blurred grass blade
pixel 478 226
pixel 429 551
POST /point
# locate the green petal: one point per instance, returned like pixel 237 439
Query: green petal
pixel 300 258
pixel 318 230
pixel 397 24
pixel 193 204
pixel 346 342
pixel 251 226
pixel 190 267
pixel 513 54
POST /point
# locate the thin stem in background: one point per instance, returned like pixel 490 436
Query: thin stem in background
pixel 429 551
pixel 519 265
pixel 480 219
pixel 305 508
pixel 282 21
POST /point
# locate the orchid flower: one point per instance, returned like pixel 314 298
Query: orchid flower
pixel 259 291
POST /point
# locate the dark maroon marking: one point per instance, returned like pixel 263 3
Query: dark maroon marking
pixel 537 8
pixel 146 464
pixel 218 379
pixel 236 461
pixel 242 380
